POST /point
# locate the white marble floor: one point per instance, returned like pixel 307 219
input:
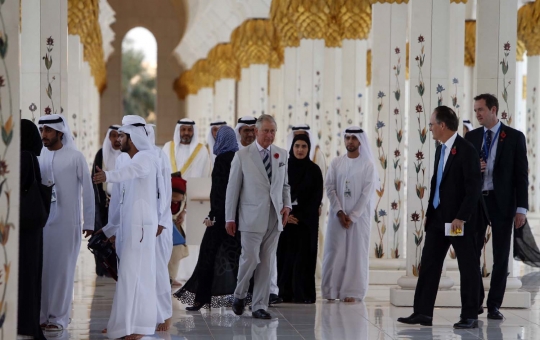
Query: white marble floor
pixel 373 319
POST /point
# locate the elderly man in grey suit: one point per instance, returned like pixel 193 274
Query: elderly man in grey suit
pixel 259 189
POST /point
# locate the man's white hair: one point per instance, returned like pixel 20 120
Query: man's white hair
pixel 265 118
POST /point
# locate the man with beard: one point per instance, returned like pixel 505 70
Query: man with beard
pixel 106 160
pixel 185 153
pixel 64 167
pixel 245 131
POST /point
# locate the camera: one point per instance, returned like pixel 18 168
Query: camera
pixel 99 245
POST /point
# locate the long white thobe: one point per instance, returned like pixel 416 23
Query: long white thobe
pixel 164 243
pixel 200 167
pixel 68 170
pixel 350 187
pixel 134 309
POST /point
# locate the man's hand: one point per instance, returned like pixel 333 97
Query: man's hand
pixel 159 230
pixel 344 220
pixel 482 165
pixel 292 220
pixel 99 176
pixel 285 215
pixel 231 228
pixel 208 222
pixel 457 227
pixel 519 220
pixel 88 233
pixel 112 239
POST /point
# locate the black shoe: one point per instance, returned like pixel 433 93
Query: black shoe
pixel 480 310
pixel 196 307
pixel 494 314
pixel 416 318
pixel 261 314
pixel 238 306
pixel 274 299
pixel 466 324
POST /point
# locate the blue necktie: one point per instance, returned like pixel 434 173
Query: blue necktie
pixel 440 170
pixel 267 164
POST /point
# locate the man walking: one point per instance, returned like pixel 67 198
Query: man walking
pixel 259 190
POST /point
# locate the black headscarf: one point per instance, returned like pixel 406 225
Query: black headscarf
pixel 30 137
pixel 298 167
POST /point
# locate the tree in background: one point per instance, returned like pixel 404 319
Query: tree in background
pixel 138 83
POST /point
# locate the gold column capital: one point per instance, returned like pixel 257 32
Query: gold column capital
pixel 83 20
pixel 311 17
pixel 252 42
pixel 223 61
pixel 528 27
pixel 458 1
pixel 185 84
pixel 470 43
pixel 286 28
pixel 355 19
pixel 520 50
pixel 202 74
pixel 368 67
pixel 389 1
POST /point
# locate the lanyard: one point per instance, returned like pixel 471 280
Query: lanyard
pixel 486 151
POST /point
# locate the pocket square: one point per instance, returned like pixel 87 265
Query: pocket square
pixel 281 164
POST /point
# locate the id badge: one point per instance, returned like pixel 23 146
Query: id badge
pixel 348 193
pixel 122 197
pixel 53 195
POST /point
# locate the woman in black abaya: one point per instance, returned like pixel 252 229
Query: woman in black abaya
pixel 297 247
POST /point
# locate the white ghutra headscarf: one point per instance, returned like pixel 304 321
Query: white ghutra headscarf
pixel 109 153
pixel 59 123
pixel 244 121
pixel 176 137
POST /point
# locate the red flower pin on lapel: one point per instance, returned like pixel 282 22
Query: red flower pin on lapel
pixel 454 151
pixel 276 155
pixel 503 135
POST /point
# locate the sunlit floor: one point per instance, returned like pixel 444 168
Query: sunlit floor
pixel 373 319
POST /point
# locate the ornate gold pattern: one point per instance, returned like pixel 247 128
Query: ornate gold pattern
pixel 458 1
pixel 333 35
pixel 520 50
pixel 368 68
pixel 185 85
pixel 529 27
pixel 202 74
pixel 281 18
pixel 311 17
pixel 355 19
pixel 524 91
pixel 252 42
pixel 470 42
pixel 83 20
pixel 223 62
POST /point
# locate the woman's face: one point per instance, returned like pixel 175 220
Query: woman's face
pixel 300 149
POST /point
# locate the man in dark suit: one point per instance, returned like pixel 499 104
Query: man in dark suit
pixel 454 198
pixel 503 160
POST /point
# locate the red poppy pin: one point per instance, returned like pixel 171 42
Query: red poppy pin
pixel 276 155
pixel 503 135
pixel 454 151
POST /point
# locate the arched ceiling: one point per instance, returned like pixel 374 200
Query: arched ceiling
pixel 211 22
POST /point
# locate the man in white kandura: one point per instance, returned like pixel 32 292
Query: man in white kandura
pixel 211 139
pixel 185 153
pixel 245 131
pixel 258 187
pixel 63 166
pixel 135 221
pixel 350 186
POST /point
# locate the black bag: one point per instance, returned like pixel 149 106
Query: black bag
pixel 35 204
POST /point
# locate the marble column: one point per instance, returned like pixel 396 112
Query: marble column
pixel 310 83
pixel 429 75
pixel 385 129
pixel 291 88
pixel 30 59
pixel 332 139
pixel 75 56
pixel 455 85
pixel 225 100
pixel 533 114
pixel 275 103
pixel 54 66
pixel 253 90
pixel 206 110
pixel 9 165
pixel 469 80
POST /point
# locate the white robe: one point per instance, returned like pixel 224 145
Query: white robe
pixel 134 309
pixel 164 243
pixel 346 251
pixel 200 167
pixel 68 170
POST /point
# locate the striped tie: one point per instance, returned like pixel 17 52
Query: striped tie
pixel 267 164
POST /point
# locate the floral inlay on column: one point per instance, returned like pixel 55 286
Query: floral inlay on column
pixel 380 214
pixel 506 115
pixel 454 97
pixel 7 126
pixel 48 63
pixel 396 206
pixel 531 148
pixel 418 164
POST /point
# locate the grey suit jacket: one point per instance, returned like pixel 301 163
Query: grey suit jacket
pixel 250 191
